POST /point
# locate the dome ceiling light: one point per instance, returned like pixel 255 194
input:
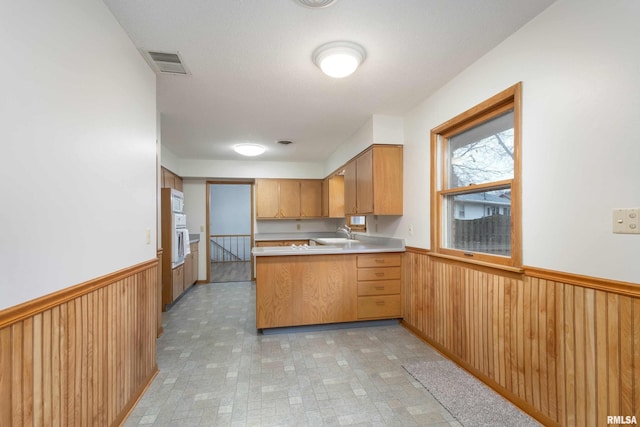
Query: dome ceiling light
pixel 316 4
pixel 339 59
pixel 250 150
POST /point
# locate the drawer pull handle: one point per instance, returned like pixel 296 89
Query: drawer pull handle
pixel 379 302
pixel 381 261
pixel 379 288
pixel 379 274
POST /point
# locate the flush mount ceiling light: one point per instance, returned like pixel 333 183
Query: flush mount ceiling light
pixel 339 59
pixel 316 4
pixel 250 150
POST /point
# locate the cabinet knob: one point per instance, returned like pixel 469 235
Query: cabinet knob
pixel 379 274
pixel 379 288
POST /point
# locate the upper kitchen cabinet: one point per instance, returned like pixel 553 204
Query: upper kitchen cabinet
pixel 373 182
pixel 310 198
pixel 171 180
pixel 333 197
pixel 288 198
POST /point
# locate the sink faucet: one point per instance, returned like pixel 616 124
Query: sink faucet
pixel 346 230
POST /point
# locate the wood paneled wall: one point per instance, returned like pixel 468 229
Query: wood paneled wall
pixel 569 354
pixel 81 357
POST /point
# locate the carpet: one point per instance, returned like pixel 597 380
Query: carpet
pixel 469 400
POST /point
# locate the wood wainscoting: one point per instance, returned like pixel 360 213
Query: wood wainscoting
pixel 81 356
pixel 564 348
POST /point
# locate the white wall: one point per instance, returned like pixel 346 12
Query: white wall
pixel 579 63
pixel 170 160
pixel 78 162
pixel 249 169
pixel 230 209
pixel 379 129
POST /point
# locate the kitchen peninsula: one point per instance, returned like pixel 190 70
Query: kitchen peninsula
pixel 311 282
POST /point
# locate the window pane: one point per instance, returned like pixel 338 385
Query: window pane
pixel 485 223
pixel 481 154
pixel 357 220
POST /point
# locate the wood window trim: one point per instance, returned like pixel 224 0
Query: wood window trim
pixel 508 98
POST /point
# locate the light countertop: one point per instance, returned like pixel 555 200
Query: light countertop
pixel 361 244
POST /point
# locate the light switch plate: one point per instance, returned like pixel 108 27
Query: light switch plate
pixel 626 221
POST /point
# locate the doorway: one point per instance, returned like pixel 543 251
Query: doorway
pixel 230 231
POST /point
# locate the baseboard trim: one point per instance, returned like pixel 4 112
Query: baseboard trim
pixel 126 412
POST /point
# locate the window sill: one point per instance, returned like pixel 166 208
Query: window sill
pixel 518 270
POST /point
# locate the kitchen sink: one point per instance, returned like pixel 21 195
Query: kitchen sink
pixel 335 240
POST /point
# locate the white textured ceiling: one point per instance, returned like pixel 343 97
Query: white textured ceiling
pixel 252 78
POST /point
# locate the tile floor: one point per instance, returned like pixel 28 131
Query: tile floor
pixel 216 370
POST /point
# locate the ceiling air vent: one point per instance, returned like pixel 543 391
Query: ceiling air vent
pixel 166 62
pixel 316 4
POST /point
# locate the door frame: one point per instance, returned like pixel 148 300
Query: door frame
pixel 250 182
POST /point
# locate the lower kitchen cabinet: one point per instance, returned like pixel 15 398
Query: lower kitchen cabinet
pixel 180 278
pixel 191 267
pixel 318 289
pixel 305 290
pixel 379 284
pixel 177 283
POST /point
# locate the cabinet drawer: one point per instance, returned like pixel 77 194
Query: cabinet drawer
pixel 377 273
pixel 379 260
pixel 379 306
pixel 379 287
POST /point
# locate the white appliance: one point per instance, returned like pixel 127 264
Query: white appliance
pixel 180 240
pixel 177 201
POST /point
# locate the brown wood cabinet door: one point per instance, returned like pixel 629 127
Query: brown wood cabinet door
pixel 325 197
pixel 178 282
pixel 167 179
pixel 177 183
pixel 336 197
pixel 298 290
pixel 310 198
pixel 289 198
pixel 387 180
pixel 267 198
pixel 364 180
pixel 350 207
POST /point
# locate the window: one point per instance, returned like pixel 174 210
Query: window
pixel 475 182
pixel 357 223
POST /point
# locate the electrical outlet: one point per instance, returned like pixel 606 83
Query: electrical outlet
pixel 202 228
pixel 148 232
pixel 411 230
pixel 298 226
pixel 626 221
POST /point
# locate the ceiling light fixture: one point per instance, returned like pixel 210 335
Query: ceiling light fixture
pixel 339 59
pixel 250 150
pixel 316 4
